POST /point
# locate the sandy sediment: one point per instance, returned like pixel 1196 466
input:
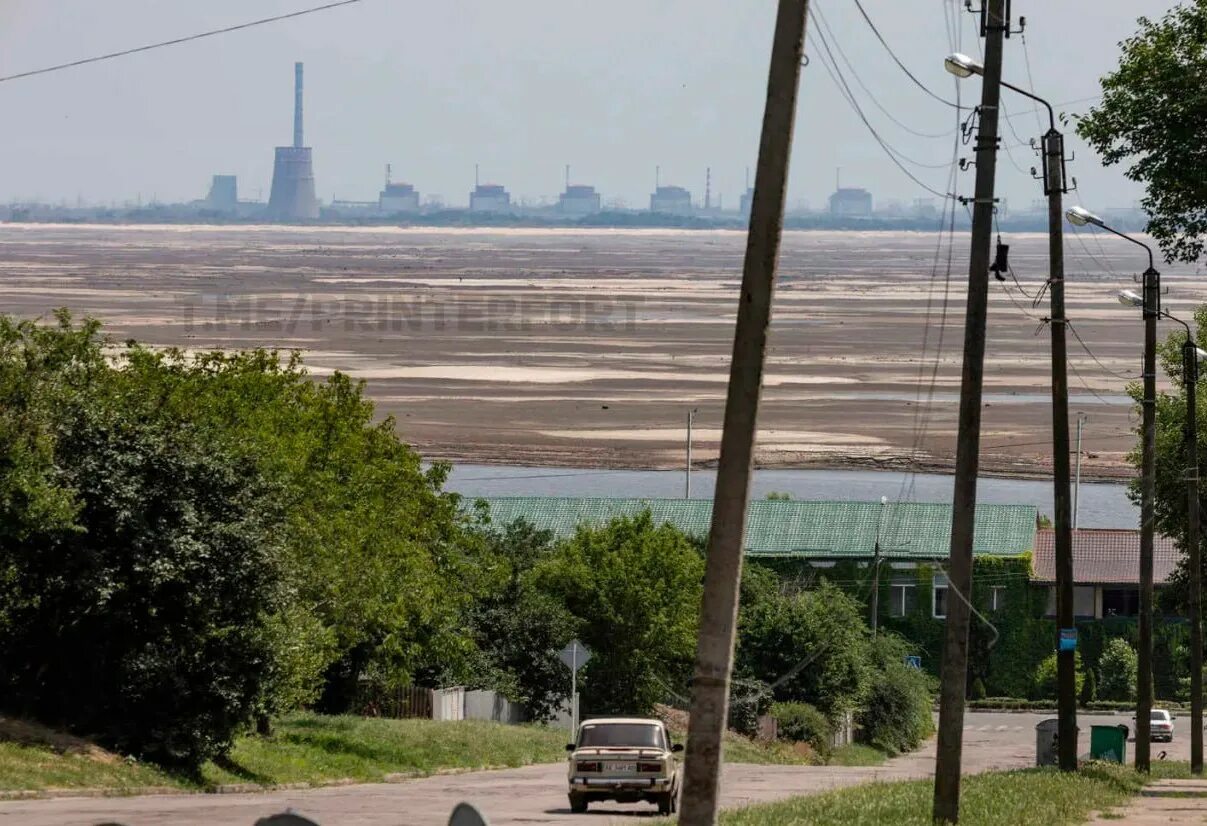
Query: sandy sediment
pixel 587 348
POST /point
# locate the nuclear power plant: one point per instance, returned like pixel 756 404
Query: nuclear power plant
pixel 293 197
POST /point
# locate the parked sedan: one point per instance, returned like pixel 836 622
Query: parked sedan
pixel 1160 725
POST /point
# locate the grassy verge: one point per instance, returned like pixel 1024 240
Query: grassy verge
pixel 1033 797
pixel 856 754
pixel 304 748
pixel 311 748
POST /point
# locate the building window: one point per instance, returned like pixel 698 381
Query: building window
pixel 997 597
pixel 902 597
pixel 1120 602
pixel 940 597
pixel 1083 601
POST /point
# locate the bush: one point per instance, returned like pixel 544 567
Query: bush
pixel 748 701
pixel 1117 670
pixel 978 689
pixel 1045 677
pixel 802 723
pixel 1089 688
pixel 896 716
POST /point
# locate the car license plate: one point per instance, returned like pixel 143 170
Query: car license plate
pixel 627 768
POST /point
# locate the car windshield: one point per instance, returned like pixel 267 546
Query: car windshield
pixel 1159 716
pixel 622 734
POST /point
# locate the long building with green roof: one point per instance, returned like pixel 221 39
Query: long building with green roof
pixel 795 529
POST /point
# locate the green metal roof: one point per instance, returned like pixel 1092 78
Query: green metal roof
pixel 827 530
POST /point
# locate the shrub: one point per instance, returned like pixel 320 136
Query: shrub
pixel 802 723
pixel 748 701
pixel 978 689
pixel 1089 688
pixel 1045 687
pixel 896 716
pixel 1117 670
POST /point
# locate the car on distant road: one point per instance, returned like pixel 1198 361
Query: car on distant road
pixel 1160 726
pixel 626 759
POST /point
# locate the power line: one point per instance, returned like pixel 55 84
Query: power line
pixel 901 65
pixel 178 41
pixel 836 75
pixel 815 11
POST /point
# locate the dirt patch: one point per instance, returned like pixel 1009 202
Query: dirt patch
pixel 29 733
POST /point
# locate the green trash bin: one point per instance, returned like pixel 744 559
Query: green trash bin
pixel 1108 743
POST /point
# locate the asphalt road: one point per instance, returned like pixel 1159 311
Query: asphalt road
pixel 536 794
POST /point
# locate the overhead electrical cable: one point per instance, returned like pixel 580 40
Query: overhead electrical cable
pixel 178 41
pixel 901 65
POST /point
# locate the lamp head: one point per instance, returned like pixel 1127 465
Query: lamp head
pixel 1200 354
pixel 961 65
pixel 1080 216
pixel 1129 298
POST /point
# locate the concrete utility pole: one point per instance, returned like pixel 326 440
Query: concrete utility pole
pixel 687 470
pixel 723 569
pixel 954 676
pixel 1190 367
pixel 1148 477
pixel 1081 420
pixel 1066 664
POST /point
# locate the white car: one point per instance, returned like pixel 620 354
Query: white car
pixel 1160 725
pixel 625 759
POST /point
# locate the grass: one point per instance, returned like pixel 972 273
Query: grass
pixel 1031 797
pixel 304 748
pixel 311 748
pixel 856 754
pixel 25 767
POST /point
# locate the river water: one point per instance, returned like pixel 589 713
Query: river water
pixel 1101 505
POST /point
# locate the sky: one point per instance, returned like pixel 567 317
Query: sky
pixel 521 87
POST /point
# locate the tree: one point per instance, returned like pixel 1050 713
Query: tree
pixel 519 629
pixel 381 565
pixel 812 646
pixel 1045 677
pixel 1117 671
pixel 1152 116
pixel 634 590
pixel 137 612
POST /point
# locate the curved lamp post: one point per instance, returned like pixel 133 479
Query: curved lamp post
pixel 1150 301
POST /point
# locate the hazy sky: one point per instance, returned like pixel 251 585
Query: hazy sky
pixel 520 86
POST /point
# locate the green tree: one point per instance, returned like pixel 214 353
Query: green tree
pixel 137 610
pixel 519 629
pixel 1152 117
pixel 1117 671
pixel 373 549
pixel 634 589
pixel 896 712
pixel 811 646
pixel 1045 677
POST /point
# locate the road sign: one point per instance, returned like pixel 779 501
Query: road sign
pixel 575 655
pixel 1068 639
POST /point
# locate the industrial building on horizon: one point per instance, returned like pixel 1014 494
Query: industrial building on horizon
pixel 293 193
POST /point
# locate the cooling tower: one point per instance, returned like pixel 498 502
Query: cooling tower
pixel 293 197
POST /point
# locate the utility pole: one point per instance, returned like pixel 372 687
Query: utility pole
pixel 1066 664
pixel 875 606
pixel 954 675
pixel 723 568
pixel 1148 473
pixel 1190 366
pixel 1081 420
pixel 687 470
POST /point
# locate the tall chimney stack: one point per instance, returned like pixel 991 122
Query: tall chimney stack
pixel 298 136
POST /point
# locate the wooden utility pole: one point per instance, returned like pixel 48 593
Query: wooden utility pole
pixel 726 539
pixel 954 675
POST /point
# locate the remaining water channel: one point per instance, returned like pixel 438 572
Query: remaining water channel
pixel 1101 505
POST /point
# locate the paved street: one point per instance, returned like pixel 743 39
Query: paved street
pixel 536 794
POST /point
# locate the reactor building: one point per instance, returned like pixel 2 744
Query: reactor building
pixel 293 197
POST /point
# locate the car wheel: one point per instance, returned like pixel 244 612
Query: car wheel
pixel 666 803
pixel 578 803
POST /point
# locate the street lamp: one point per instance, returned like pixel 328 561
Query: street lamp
pixel 963 66
pixel 1192 355
pixel 1150 300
